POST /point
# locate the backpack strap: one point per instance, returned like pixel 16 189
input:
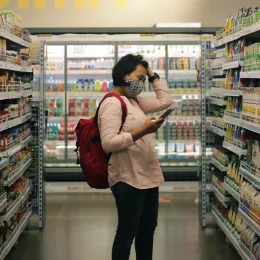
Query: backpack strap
pixel 136 100
pixel 123 105
pixel 124 113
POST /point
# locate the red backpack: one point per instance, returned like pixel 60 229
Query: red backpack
pixel 92 158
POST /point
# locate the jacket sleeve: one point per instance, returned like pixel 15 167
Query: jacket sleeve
pixel 162 100
pixel 110 121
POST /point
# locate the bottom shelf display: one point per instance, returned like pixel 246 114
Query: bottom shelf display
pixel 13 237
pixel 231 237
pixel 239 227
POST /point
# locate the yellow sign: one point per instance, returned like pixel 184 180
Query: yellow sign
pixel 81 4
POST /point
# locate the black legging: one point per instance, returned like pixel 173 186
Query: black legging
pixel 137 218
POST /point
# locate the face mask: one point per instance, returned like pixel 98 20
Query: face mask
pixel 135 88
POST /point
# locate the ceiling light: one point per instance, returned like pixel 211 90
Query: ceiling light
pixel 178 25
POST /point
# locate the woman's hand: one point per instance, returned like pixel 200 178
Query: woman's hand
pixel 150 73
pixel 151 125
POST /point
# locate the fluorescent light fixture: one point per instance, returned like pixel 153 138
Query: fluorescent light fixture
pixel 178 25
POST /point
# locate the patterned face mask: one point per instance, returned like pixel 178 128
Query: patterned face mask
pixel 134 89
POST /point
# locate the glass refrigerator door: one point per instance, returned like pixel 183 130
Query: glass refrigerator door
pixel 89 78
pixel 184 124
pixel 155 55
pixel 54 92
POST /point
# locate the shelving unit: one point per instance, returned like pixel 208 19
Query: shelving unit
pixel 249 176
pixel 231 237
pixel 219 101
pixel 233 148
pixel 231 191
pixel 15 136
pixel 217 130
pixel 218 164
pixel 250 221
pixel 232 65
pixel 222 198
pixel 238 145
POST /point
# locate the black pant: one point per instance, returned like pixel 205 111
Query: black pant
pixel 137 218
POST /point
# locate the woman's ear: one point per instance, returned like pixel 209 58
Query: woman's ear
pixel 126 78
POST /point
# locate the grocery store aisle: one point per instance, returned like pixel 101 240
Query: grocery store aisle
pixel 82 227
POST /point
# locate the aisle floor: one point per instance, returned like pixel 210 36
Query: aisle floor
pixel 82 227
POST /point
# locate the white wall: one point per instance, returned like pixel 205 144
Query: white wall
pixel 135 13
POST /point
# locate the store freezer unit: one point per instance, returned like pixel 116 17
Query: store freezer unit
pixel 78 76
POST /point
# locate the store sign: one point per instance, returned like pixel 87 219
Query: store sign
pixel 41 4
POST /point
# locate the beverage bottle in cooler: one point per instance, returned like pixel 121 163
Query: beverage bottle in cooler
pixel 52 83
pixel 91 85
pixel 110 86
pixel 161 134
pixel 111 63
pixel 104 87
pixel 97 86
pixel 98 64
pixel 155 63
pixel 82 65
pixel 86 85
pixel 92 64
pixel 150 62
pixel 161 64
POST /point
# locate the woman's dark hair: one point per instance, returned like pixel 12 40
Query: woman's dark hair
pixel 125 66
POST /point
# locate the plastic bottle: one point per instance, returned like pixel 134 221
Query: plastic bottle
pixel 97 86
pixel 104 86
pixel 110 86
pixel 86 85
pixel 91 85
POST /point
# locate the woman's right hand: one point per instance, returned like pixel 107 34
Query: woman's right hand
pixel 151 125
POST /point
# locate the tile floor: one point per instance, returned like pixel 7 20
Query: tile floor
pixel 82 227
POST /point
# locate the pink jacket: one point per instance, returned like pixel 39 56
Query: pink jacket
pixel 135 163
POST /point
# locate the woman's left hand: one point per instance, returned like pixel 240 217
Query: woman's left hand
pixel 150 73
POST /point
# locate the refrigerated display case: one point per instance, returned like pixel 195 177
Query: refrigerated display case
pixel 79 74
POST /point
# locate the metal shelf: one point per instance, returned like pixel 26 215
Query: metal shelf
pixel 217 101
pixel 248 31
pixel 232 93
pixel 219 165
pixel 250 126
pixel 249 221
pixel 225 93
pixel 79 72
pixel 8 245
pixel 13 38
pixel 232 120
pixel 15 94
pixel 231 191
pixel 231 237
pixel 17 203
pixel 219 72
pixel 219 195
pixel 250 177
pixel 238 151
pixel 15 122
pixel 16 148
pixel 232 65
pixel 216 130
pixel 3 202
pixel 250 75
pixel 14 67
pixel 3 163
pixel 17 174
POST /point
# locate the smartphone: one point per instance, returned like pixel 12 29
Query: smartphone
pixel 166 113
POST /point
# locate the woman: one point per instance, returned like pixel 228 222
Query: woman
pixel 134 171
